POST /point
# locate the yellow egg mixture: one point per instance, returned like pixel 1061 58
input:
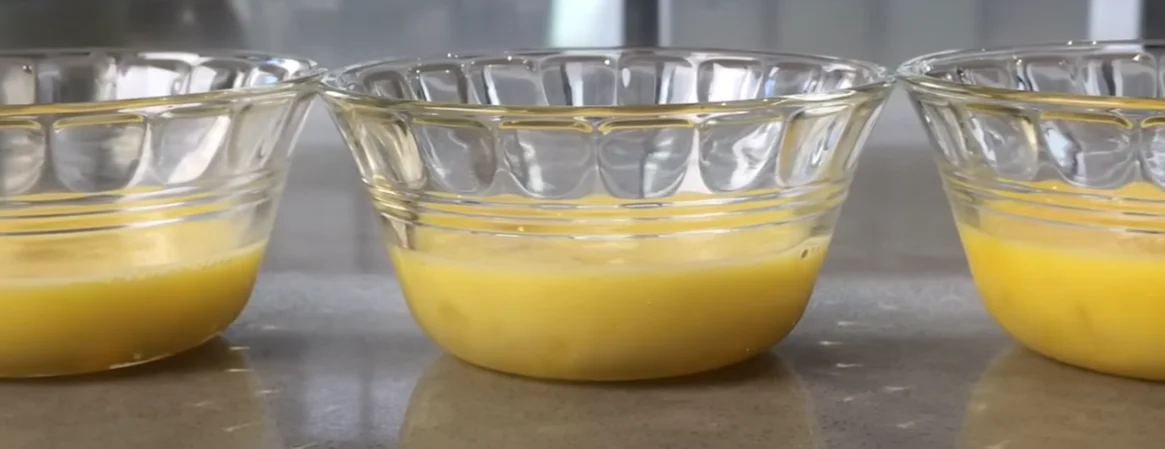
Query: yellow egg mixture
pixel 91 301
pixel 614 309
pixel 1083 295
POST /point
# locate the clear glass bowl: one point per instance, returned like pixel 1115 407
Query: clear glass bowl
pixel 137 192
pixel 607 214
pixel 1052 157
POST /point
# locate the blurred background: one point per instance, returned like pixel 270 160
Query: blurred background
pixel 339 32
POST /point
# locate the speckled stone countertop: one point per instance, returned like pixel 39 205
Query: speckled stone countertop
pixel 895 351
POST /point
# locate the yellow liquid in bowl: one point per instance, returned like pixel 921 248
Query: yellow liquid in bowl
pixel 1085 296
pixel 614 310
pixel 77 303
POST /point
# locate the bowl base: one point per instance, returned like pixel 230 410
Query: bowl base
pixel 92 370
pixel 1151 374
pixel 612 377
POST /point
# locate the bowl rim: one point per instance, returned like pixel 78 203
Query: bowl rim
pixel 913 72
pixel 331 89
pixel 313 71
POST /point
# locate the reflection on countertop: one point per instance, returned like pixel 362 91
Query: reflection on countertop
pixel 1025 401
pixel 757 404
pixel 207 398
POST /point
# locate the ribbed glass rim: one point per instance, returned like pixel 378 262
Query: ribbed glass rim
pixel 314 71
pixel 915 73
pixel 332 87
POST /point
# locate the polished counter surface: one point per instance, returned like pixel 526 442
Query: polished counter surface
pixel 896 352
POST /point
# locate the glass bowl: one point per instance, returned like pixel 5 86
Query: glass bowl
pixel 607 214
pixel 137 192
pixel 1052 157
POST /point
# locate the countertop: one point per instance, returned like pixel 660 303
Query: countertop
pixel 895 352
